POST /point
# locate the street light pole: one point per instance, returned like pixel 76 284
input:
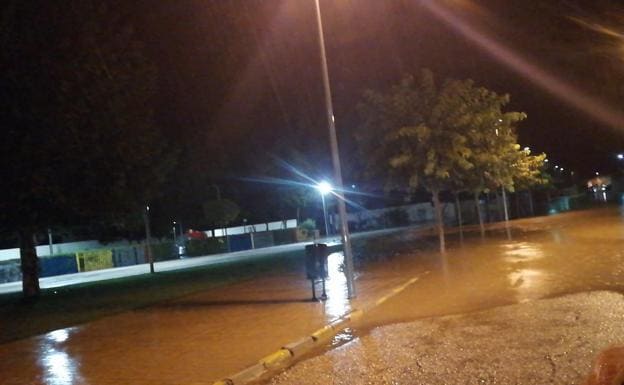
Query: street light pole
pixel 325 215
pixel 148 236
pixel 333 141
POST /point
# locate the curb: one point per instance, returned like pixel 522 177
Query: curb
pixel 287 355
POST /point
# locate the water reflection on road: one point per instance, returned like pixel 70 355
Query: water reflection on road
pixel 546 257
pixel 236 324
pixel 337 303
pixel 58 366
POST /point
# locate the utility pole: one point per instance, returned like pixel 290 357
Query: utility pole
pixel 50 241
pixel 333 141
pixel 148 236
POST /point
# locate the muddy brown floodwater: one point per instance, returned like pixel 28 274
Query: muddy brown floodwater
pixel 449 327
pixel 205 336
pixel 545 257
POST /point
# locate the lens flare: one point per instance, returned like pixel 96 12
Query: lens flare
pixel 538 76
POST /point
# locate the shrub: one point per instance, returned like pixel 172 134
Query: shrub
pixel 198 247
pixel 396 217
pixel 164 251
pixel 307 227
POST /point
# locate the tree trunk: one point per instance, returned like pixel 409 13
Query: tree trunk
pixel 531 208
pixel 504 194
pixel 30 264
pixel 505 210
pixel 439 222
pixel 458 213
pixel 487 208
pixel 479 215
pixel 517 198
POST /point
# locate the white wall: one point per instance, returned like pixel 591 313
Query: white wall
pixel 417 213
pixel 61 248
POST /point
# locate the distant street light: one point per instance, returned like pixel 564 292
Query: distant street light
pixel 333 141
pixel 324 188
pixel 148 237
pixel 620 156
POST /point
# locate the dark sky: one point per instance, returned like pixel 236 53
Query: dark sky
pixel 245 74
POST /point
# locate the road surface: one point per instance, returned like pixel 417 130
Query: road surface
pixel 206 336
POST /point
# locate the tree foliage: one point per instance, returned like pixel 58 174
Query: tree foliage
pixel 454 137
pixel 76 109
pixel 220 212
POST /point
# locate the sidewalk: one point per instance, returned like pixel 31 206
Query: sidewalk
pixel 195 340
pixel 550 341
pixel 177 264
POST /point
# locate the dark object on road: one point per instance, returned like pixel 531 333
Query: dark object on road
pixel 316 266
pixel 608 368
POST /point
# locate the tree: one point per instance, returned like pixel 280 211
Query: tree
pixel 453 137
pixel 492 139
pixel 530 173
pixel 221 212
pixel 79 140
pixel 422 135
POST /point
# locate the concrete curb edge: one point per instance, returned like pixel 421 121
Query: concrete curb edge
pixel 287 355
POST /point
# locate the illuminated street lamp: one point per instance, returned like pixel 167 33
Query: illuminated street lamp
pixel 324 188
pixel 333 141
pixel 620 156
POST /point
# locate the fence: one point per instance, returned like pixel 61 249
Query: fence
pixel 92 255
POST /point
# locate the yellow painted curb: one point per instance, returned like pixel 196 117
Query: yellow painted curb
pixel 356 315
pixel 397 290
pixel 382 300
pixel 276 359
pixel 248 375
pixel 300 347
pixel 339 324
pixel 323 333
pixel 285 355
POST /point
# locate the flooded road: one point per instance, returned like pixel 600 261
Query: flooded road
pixel 203 337
pixel 545 257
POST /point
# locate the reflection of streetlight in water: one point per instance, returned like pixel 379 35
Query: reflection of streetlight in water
pixel 59 367
pixel 337 303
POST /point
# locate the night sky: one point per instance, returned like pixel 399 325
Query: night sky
pixel 245 75
pixel 239 90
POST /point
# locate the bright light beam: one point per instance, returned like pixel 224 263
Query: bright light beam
pixel 538 76
pixel 324 188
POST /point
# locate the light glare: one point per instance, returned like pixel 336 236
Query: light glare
pixel 324 188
